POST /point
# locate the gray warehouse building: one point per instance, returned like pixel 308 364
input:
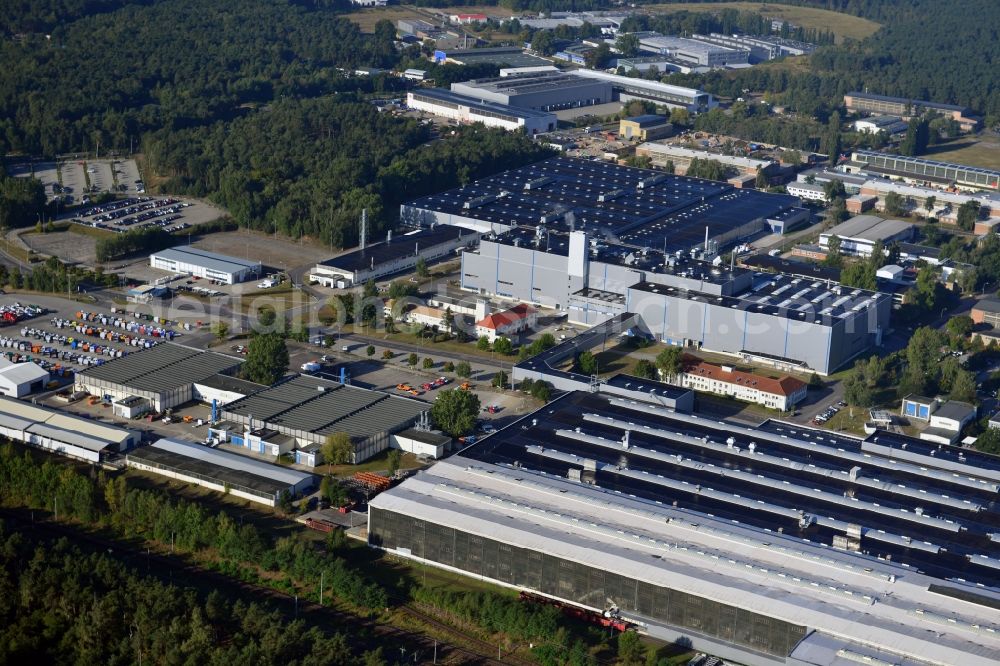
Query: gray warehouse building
pixel 209 265
pixel 785 322
pixel 396 254
pixel 694 51
pixel 627 88
pixel 300 412
pixel 777 320
pixel 163 376
pixel 773 545
pixel 543 91
pixel 597 240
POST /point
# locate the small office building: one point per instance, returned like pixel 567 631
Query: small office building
pixel 782 394
pixel 424 443
pixel 947 421
pixel 208 265
pixel 918 407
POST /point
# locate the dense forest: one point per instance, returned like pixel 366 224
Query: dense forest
pixel 308 167
pixel 915 54
pixel 62 604
pixel 173 64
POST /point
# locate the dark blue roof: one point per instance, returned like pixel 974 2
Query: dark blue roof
pixel 648 120
pixel 399 247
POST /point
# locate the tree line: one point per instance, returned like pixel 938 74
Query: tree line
pixel 289 563
pixel 60 603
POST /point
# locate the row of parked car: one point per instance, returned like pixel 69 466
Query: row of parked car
pixel 828 413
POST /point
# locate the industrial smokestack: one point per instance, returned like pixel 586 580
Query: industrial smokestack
pixel 706 238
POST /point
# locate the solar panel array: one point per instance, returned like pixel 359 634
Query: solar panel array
pixel 798 298
pixel 638 207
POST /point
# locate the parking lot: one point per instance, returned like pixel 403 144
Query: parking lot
pixel 76 181
pixel 387 376
pixel 60 337
pixel 136 212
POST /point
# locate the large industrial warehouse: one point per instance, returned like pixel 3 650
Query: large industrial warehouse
pixel 628 88
pixel 465 110
pixel 303 410
pixel 209 265
pixel 922 170
pixel 542 91
pixel 642 208
pixel 163 376
pixel 773 544
pixel 394 255
pixel 597 240
pixel 789 323
pixel 220 470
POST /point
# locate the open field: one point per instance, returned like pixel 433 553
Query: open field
pixel 367 18
pixel 71 248
pixel 981 152
pixel 279 253
pixel 842 25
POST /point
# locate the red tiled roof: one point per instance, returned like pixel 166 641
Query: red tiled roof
pixel 785 386
pixel 507 317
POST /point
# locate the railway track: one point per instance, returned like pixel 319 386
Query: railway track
pixel 415 647
pixel 481 646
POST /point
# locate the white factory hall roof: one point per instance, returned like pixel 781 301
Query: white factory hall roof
pixel 87 433
pixel 233 461
pixel 212 260
pixel 847 595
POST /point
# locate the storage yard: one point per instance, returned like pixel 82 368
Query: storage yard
pixel 685 526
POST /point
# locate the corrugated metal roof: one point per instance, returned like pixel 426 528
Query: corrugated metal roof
pixel 764 572
pixel 65 436
pixel 88 427
pixel 23 373
pixel 162 368
pixel 320 406
pixel 14 422
pixel 26 413
pixel 231 461
pixel 210 260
